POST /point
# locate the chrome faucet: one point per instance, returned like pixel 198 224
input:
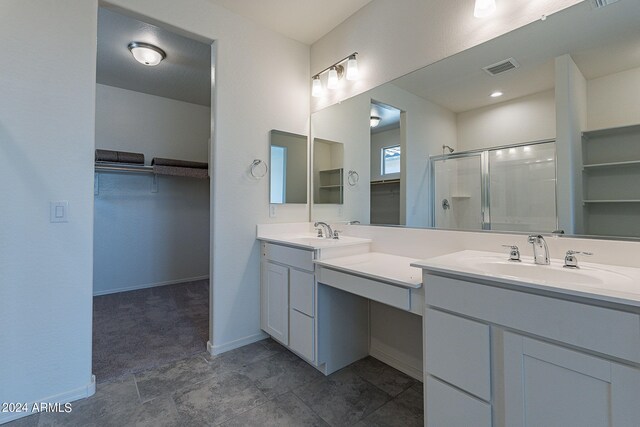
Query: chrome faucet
pixel 570 260
pixel 328 232
pixel 540 250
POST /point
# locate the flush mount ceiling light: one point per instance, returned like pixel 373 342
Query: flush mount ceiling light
pixel 484 8
pixel 335 73
pixel 496 94
pixel 147 54
pixel 374 121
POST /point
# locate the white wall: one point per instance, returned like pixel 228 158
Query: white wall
pixel 614 100
pixel 47 132
pixel 394 38
pixel 155 126
pixel 526 119
pixel 571 119
pixel 142 238
pixel 47 82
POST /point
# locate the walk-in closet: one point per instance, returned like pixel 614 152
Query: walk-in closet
pixel 151 196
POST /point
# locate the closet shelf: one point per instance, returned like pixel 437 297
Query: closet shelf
pixel 386 181
pixel 612 164
pixel 122 167
pixel 613 201
pixel 152 170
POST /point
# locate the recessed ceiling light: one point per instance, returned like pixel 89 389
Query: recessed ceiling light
pixel 496 94
pixel 484 8
pixel 146 54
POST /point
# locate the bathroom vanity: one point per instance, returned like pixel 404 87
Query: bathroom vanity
pixel 315 294
pixel 518 344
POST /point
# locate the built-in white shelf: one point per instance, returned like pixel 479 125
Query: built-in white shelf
pixel 612 164
pixel 613 201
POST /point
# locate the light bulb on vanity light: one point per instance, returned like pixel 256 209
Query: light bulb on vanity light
pixel 374 121
pixel 316 88
pixel 352 67
pixel 332 80
pixel 484 8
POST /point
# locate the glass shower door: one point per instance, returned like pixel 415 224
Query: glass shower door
pixel 457 187
pixel 522 192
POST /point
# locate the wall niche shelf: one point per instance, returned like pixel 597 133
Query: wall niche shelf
pixel 610 167
pixel 331 186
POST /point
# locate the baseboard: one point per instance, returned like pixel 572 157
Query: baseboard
pixel 150 285
pixel 223 348
pixel 68 396
pixel 395 361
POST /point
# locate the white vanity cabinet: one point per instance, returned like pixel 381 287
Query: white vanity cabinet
pixel 288 297
pixel 506 357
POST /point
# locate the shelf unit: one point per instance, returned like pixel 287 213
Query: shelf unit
pixel 331 186
pixel 610 172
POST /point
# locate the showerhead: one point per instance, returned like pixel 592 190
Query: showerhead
pixel 446 147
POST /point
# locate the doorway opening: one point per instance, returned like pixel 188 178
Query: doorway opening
pixel 386 155
pixel 151 196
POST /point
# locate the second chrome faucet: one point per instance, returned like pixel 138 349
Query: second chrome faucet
pixel 540 249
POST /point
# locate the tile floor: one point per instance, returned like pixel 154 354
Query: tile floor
pixel 261 384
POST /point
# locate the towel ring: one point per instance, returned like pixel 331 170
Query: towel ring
pixel 353 178
pixel 258 169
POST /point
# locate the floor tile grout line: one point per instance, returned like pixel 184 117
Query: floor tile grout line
pixel 135 381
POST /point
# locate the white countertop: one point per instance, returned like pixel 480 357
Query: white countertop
pixel 393 269
pixel 596 281
pixel 310 241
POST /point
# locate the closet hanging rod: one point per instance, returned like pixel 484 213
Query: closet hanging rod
pixel 119 167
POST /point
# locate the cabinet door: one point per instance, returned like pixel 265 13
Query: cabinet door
pixel 275 301
pixel 551 386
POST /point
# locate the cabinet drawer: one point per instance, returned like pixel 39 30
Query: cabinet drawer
pixel 446 406
pixel 302 337
pixel 604 330
pixel 461 352
pixel 301 288
pixel 298 258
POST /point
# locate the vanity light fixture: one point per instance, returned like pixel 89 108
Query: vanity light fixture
pixel 335 73
pixel 496 94
pixel 484 8
pixel 147 54
pixel 374 121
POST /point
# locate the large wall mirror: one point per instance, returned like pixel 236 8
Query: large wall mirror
pixel 535 131
pixel 288 174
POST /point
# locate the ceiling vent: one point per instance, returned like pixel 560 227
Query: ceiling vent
pixel 602 3
pixel 502 67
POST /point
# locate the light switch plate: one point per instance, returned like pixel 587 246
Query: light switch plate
pixel 59 211
pixel 272 211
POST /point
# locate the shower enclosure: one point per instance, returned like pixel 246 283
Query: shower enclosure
pixel 509 188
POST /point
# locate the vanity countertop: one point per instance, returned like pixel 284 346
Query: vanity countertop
pixel 616 284
pixel 393 269
pixel 311 242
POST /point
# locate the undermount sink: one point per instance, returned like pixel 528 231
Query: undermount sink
pixel 547 273
pixel 497 266
pixel 310 241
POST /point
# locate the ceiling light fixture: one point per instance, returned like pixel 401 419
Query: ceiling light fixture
pixel 484 8
pixel 496 94
pixel 335 73
pixel 375 121
pixel 146 53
